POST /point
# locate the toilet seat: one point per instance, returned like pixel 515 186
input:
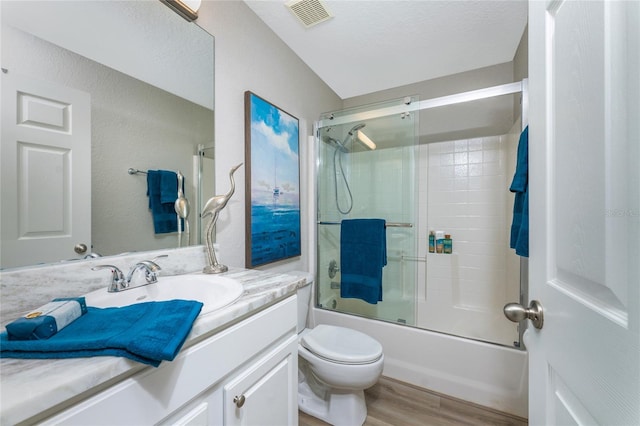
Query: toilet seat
pixel 341 345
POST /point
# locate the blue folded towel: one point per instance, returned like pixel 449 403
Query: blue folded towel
pixel 47 320
pixel 520 186
pixel 145 332
pixel 363 254
pixel 162 189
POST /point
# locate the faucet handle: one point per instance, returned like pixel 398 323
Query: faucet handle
pixel 150 265
pixel 117 277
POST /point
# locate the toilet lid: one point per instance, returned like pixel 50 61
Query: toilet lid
pixel 342 345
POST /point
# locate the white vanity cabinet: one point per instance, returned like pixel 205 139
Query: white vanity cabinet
pixel 245 374
pixel 262 394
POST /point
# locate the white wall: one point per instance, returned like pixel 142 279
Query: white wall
pixel 249 56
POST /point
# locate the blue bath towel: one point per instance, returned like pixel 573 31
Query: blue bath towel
pixel 363 254
pixel 520 186
pixel 145 332
pixel 162 189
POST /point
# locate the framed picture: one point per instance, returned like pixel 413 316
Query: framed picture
pixel 272 181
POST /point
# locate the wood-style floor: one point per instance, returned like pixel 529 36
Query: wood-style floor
pixel 393 403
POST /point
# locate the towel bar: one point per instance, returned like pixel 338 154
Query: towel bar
pixel 388 224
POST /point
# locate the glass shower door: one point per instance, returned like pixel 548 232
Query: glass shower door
pixel 367 169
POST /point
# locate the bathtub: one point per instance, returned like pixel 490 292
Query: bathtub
pixel 490 375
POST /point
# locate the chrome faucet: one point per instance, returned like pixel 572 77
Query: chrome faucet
pixel 120 283
pixel 149 268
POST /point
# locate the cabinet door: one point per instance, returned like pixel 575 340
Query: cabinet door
pixel 265 393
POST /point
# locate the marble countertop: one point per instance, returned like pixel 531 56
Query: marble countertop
pixel 30 387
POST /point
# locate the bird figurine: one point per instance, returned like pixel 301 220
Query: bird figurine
pixel 212 208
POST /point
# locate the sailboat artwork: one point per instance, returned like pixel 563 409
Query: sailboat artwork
pixel 272 182
pixel 276 188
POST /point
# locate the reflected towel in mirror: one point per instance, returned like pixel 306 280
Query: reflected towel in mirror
pixel 162 190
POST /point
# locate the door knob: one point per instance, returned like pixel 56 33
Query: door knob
pixel 516 312
pixel 80 248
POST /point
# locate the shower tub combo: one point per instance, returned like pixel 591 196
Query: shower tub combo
pixel 440 319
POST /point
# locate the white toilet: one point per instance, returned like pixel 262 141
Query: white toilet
pixel 335 366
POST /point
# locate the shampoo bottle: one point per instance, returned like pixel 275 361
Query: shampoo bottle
pixel 448 244
pixel 439 241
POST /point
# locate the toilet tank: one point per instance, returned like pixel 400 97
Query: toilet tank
pixel 304 300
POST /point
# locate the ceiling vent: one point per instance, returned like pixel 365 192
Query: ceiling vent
pixel 309 12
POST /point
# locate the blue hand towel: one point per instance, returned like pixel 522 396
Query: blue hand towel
pixel 145 332
pixel 363 254
pixel 162 189
pixel 520 186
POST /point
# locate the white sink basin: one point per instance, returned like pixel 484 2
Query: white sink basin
pixel 213 291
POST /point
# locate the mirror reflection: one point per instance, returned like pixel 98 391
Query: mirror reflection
pixel 127 85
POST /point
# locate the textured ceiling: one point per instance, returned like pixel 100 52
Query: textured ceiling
pixel 375 45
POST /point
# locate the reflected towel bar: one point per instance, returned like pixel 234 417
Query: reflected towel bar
pixel 388 224
pixel 136 171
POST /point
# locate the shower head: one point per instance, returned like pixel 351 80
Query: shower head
pixel 342 146
pixel 356 128
pixel 336 143
pixel 352 133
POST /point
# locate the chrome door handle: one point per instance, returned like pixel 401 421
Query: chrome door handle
pixel 516 312
pixel 80 248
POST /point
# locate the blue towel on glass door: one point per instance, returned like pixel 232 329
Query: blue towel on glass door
pixel 520 186
pixel 363 254
pixel 145 332
pixel 162 189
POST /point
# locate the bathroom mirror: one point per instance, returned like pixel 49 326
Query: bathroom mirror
pixel 145 76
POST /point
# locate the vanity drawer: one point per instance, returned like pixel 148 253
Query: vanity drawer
pixel 156 393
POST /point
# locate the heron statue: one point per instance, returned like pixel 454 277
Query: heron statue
pixel 212 208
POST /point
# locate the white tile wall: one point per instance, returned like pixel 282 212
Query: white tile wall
pixel 467 196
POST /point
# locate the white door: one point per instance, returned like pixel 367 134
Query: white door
pixel 584 162
pixel 46 171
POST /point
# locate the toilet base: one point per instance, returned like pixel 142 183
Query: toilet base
pixel 334 406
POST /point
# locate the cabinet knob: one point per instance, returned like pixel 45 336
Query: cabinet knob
pixel 239 400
